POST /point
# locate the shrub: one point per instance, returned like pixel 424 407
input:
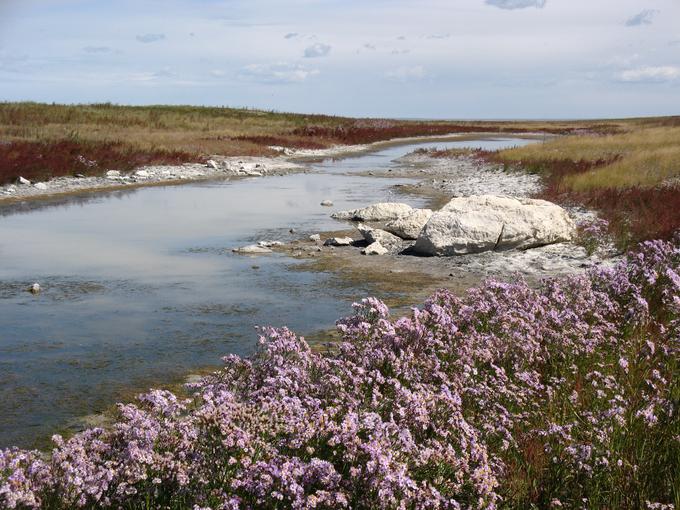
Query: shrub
pixel 513 397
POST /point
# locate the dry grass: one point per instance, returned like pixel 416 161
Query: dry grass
pixel 642 156
pixel 36 133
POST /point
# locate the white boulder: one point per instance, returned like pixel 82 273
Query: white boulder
pixel 22 180
pixel 34 289
pixel 409 226
pixel 40 185
pixel 142 173
pixel 315 237
pixel 211 163
pixel 487 222
pixel 375 249
pixel 384 211
pixel 327 203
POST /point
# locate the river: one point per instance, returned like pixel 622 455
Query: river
pixel 140 287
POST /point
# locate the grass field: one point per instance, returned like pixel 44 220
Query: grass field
pixel 38 141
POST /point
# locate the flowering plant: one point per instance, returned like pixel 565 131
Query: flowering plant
pixel 509 396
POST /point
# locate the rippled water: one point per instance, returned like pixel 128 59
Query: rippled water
pixel 140 287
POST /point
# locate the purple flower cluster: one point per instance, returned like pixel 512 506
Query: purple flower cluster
pixel 593 234
pixel 565 395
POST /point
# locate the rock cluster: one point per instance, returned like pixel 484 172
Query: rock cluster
pixel 214 168
pixel 465 225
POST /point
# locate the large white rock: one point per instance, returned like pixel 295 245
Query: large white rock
pixel 23 180
pixel 40 185
pixel 384 211
pixel 488 222
pixel 409 226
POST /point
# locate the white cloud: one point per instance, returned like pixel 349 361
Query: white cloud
pixel 97 49
pixel 406 73
pixel 164 73
pixel 651 74
pixel 150 38
pixel 317 50
pixel 218 73
pixel 280 72
pixel 516 4
pixel 642 18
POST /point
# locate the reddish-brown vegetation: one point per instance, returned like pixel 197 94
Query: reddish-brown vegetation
pixel 360 132
pixel 634 214
pixel 282 141
pixel 41 160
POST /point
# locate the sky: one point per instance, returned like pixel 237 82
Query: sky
pixel 455 59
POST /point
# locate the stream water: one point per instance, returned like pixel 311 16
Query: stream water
pixel 140 287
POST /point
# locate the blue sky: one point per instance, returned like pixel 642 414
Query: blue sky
pixel 393 58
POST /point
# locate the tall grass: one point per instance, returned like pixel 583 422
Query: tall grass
pixel 639 157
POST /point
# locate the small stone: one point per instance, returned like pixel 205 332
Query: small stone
pixel 112 174
pixel 315 237
pixel 34 289
pixel 375 249
pixel 40 185
pixel 79 176
pixel 142 173
pixel 252 249
pixel 22 180
pixel 339 241
pixel 327 203
pixel 269 244
pixel 212 164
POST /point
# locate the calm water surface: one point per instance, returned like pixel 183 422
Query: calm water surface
pixel 140 287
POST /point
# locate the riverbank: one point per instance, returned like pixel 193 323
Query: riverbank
pixel 216 167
